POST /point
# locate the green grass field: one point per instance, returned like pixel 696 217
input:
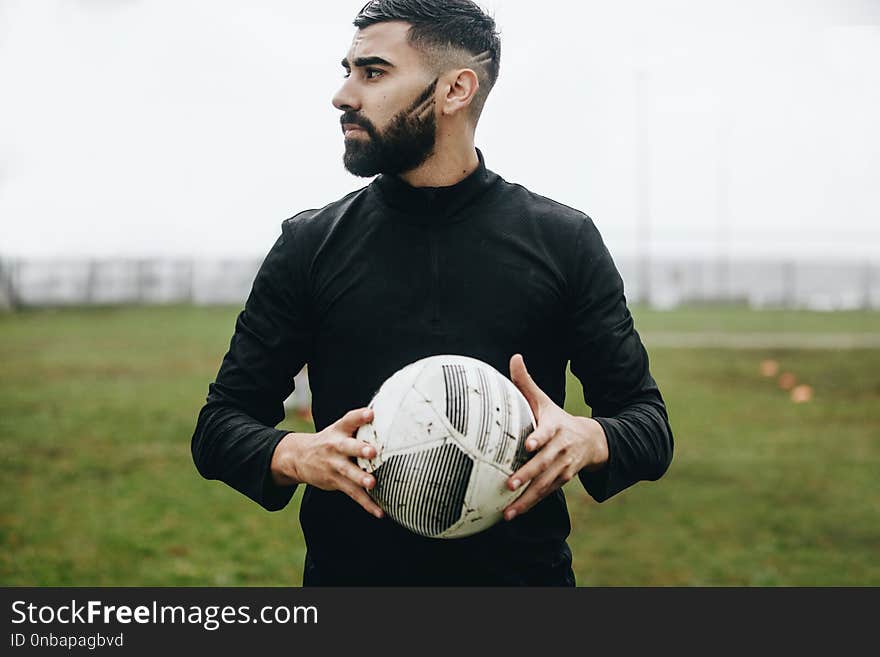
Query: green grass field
pixel 97 407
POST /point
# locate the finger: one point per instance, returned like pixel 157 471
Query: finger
pixel 540 488
pixel 355 475
pixel 356 448
pixel 526 385
pixel 360 496
pixel 540 437
pixel 351 421
pixel 533 468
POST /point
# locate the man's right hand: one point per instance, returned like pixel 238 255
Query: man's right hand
pixel 326 459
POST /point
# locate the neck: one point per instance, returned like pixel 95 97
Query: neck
pixel 449 164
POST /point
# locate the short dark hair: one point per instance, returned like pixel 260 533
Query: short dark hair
pixel 441 29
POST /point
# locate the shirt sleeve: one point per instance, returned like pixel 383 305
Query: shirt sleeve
pixel 608 358
pixel 235 438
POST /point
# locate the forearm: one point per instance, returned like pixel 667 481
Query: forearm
pixel 230 446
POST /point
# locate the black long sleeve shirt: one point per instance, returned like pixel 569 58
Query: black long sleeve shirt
pixel 390 274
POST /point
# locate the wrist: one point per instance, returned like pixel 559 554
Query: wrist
pixel 598 445
pixel 284 460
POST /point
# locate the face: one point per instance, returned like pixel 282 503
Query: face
pixel 387 102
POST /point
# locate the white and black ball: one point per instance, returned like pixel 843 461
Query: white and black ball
pixel 448 432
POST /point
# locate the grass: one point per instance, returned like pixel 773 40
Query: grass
pixel 97 407
pixel 736 318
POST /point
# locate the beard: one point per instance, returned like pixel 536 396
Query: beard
pixel 404 144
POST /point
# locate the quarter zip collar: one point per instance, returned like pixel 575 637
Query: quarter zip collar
pixel 433 205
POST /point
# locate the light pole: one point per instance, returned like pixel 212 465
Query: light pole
pixel 643 185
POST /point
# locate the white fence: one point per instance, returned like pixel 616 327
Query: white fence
pixel 121 281
pixel 665 283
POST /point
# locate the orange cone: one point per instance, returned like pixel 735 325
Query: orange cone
pixel 787 380
pixel 802 393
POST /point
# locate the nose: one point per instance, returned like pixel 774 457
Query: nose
pixel 345 99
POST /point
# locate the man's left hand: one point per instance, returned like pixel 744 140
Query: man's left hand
pixel 564 444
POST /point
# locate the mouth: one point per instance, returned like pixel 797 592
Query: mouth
pixel 351 129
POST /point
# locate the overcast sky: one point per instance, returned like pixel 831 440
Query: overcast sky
pixel 184 127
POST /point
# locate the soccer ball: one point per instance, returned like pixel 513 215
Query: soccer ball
pixel 448 432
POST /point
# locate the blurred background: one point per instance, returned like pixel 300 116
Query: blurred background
pixel 728 152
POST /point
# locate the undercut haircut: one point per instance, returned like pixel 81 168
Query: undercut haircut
pixel 450 34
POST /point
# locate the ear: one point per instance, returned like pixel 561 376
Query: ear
pixel 462 86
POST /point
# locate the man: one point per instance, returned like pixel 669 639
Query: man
pixel 438 255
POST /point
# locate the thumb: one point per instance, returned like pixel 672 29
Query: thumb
pixel 351 421
pixel 527 386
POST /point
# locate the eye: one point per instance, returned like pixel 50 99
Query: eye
pixel 346 74
pixel 373 73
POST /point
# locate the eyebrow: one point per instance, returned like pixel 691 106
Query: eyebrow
pixel 367 61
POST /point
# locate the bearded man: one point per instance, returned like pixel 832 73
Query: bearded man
pixel 437 255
